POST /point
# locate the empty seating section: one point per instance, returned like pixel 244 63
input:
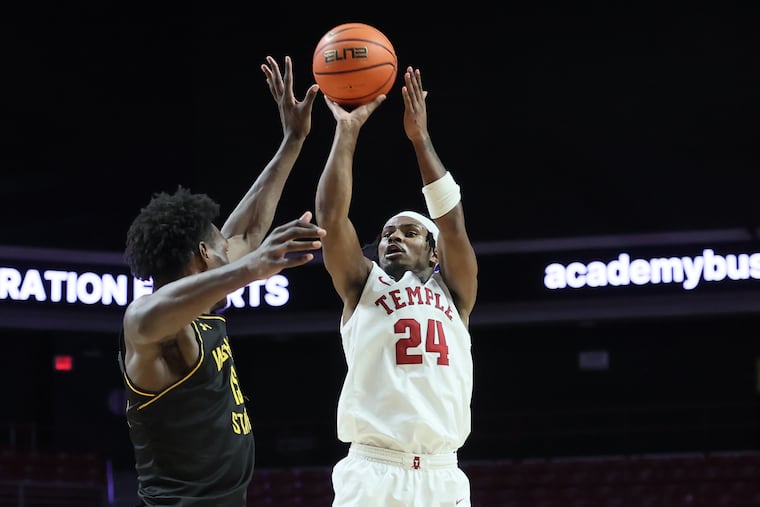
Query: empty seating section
pixel 716 480
pixel 30 479
pixel 42 479
pixel 291 487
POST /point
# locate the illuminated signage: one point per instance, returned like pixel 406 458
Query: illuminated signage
pixel 686 271
pixel 625 276
pixel 106 289
pixel 84 290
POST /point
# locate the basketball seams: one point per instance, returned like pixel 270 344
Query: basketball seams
pixel 343 29
pixel 388 48
pixel 353 70
pixel 359 99
pixel 342 74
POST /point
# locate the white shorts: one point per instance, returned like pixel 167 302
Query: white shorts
pixel 375 477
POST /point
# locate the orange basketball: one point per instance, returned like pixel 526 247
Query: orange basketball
pixel 353 63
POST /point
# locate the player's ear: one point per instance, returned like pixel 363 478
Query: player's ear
pixel 201 256
pixel 203 249
pixel 433 257
pixel 433 249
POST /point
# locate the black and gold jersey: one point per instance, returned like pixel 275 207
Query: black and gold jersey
pixel 193 441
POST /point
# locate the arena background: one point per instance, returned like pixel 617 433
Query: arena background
pixel 573 136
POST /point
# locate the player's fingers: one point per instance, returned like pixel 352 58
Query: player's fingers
pixel 374 104
pixel 407 98
pixel 288 78
pixel 415 83
pixel 300 229
pixel 311 95
pixel 302 245
pixel 337 111
pixel 411 86
pixel 292 261
pixel 277 83
pixel 418 78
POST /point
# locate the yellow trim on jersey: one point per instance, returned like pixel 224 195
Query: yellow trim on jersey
pixel 158 396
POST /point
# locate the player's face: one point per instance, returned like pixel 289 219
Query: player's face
pixel 404 246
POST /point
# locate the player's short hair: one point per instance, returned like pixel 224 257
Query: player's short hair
pixel 165 234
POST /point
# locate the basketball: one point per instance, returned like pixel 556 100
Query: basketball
pixel 353 63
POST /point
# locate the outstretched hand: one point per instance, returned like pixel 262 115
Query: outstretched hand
pixel 415 109
pixel 288 245
pixel 357 116
pixel 295 115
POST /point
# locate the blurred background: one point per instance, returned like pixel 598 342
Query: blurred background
pixel 582 141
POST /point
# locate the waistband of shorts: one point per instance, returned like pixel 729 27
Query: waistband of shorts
pixel 405 460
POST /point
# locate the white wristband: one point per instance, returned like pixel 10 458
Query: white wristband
pixel 441 195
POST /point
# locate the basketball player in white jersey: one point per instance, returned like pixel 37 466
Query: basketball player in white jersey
pixel 405 402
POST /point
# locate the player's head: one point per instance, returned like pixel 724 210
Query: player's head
pixel 167 233
pixel 408 243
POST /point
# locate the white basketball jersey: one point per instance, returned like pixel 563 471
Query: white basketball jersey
pixel 409 380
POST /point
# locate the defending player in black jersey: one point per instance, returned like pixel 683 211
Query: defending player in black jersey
pixel 186 411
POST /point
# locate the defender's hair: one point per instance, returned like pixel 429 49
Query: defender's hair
pixel 165 234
